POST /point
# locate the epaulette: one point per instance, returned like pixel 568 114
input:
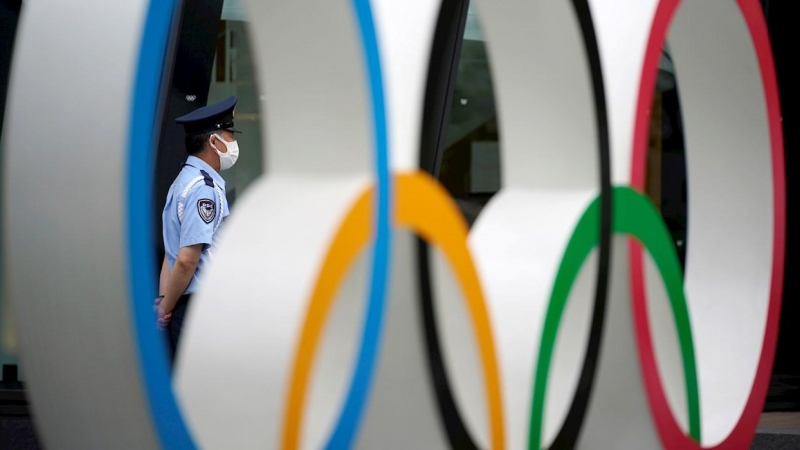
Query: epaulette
pixel 207 178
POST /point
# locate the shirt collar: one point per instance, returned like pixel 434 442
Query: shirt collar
pixel 200 164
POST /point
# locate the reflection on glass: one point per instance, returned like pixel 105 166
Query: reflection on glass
pixel 470 164
pixel 234 74
pixel 666 160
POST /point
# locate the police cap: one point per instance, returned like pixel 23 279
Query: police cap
pixel 216 117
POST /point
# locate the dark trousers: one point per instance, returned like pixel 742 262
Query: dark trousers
pixel 175 325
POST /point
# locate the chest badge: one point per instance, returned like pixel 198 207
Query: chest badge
pixel 207 209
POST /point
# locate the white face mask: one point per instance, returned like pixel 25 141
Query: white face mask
pixel 227 159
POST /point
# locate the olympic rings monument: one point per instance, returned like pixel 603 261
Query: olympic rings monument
pixel 349 305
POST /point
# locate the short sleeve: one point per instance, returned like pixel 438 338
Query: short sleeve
pixel 200 209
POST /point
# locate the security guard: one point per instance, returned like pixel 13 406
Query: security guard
pixel 195 208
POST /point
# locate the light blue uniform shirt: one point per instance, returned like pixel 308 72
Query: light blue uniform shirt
pixel 192 215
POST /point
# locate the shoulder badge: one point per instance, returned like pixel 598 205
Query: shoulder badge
pixel 207 209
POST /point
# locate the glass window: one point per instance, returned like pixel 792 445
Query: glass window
pixel 666 160
pixel 470 163
pixel 9 16
pixel 233 73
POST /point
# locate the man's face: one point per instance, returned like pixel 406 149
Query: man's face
pixel 228 135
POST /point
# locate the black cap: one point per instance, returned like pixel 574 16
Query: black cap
pixel 216 117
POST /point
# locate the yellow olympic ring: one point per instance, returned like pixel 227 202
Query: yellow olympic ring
pixel 423 206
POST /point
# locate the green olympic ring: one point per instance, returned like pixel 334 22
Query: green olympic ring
pixel 635 215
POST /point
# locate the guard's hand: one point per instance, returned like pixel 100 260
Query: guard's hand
pixel 163 317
